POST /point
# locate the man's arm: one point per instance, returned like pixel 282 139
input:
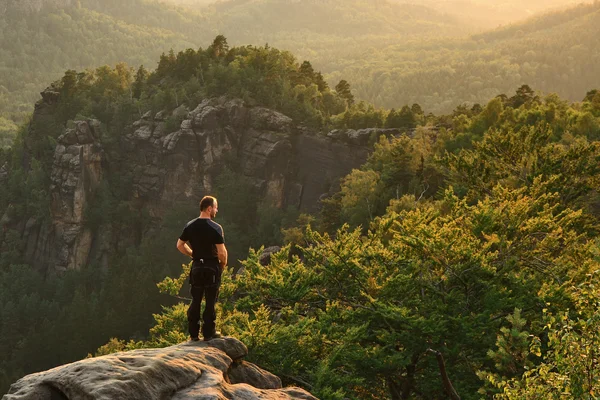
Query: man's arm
pixel 184 248
pixel 222 254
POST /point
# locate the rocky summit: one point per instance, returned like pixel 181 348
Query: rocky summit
pixel 191 370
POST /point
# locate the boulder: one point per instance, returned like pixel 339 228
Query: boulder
pixel 191 370
pixel 84 132
pixel 266 119
pixel 265 256
pixel 206 118
pixel 245 372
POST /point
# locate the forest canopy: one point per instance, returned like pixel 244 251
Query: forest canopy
pixel 392 53
pixel 477 244
pixel 470 237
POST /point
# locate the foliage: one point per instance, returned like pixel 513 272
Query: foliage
pixel 356 315
pixel 453 237
pixel 552 53
pixel 509 229
pixel 7 132
pixel 137 258
pixel 137 31
pixel 418 57
pixel 570 366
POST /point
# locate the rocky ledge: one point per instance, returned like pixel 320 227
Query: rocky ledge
pixel 191 370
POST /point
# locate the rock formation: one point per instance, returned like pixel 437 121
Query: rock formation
pixel 173 165
pixel 191 370
pixel 288 164
pixel 76 175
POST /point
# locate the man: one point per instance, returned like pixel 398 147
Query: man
pixel 203 240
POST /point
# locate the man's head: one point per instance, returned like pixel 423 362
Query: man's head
pixel 209 205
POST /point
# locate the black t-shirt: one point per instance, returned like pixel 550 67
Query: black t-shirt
pixel 203 234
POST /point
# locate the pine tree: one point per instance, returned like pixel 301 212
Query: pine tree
pixel 141 77
pixel 344 91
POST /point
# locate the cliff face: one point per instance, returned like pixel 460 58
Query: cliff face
pixel 191 370
pixel 290 166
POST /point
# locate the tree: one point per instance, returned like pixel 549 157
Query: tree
pixel 141 77
pixel 524 94
pixel 321 83
pixel 406 118
pixel 307 73
pixel 219 47
pixel 476 109
pixel 344 91
pixel 69 83
pixel 359 196
pixel 589 96
pixel 416 109
pixel 166 63
pixel 571 363
pixel 402 119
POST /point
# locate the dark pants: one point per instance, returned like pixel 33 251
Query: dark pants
pixel 205 279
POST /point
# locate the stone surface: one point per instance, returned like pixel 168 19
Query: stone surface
pixel 265 256
pixel 191 370
pixel 244 372
pixel 290 165
pixel 267 119
pixel 230 346
pixel 76 175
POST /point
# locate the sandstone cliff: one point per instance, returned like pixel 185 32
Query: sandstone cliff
pixel 170 166
pixel 191 370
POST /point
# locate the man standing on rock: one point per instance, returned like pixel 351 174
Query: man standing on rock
pixel 203 240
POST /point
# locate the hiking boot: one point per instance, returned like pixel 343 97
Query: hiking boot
pixel 215 335
pixel 194 339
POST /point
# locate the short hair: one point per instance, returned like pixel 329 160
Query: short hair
pixel 207 201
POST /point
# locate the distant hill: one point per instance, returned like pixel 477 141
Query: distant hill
pixel 191 2
pixel 391 53
pixel 36 47
pixel 564 20
pixel 556 52
pixel 39 40
pixel 352 18
pixel 490 13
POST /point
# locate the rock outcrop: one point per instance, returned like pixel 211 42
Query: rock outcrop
pixel 265 256
pixel 288 164
pixel 172 159
pixel 76 175
pixel 191 370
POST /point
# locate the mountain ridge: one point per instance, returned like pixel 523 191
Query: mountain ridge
pixel 540 23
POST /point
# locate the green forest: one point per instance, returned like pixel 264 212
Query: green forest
pixel 394 53
pixel 475 243
pixel 479 245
